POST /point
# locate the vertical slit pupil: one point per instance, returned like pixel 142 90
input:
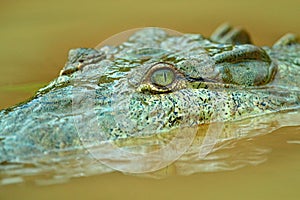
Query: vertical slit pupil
pixel 165 76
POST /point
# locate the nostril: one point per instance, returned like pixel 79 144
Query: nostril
pixel 68 70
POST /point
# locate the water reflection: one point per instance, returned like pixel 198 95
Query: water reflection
pixel 236 148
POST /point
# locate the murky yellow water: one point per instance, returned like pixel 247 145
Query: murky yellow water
pixel 35 37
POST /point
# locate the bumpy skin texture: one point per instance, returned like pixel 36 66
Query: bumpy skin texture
pixel 224 78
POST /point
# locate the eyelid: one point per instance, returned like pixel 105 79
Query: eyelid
pixel 159 66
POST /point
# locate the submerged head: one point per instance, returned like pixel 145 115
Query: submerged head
pixel 155 82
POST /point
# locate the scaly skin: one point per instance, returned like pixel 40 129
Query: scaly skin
pixel 224 78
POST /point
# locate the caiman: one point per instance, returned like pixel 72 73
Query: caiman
pixel 151 84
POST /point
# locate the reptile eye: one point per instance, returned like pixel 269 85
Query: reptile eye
pixel 163 77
